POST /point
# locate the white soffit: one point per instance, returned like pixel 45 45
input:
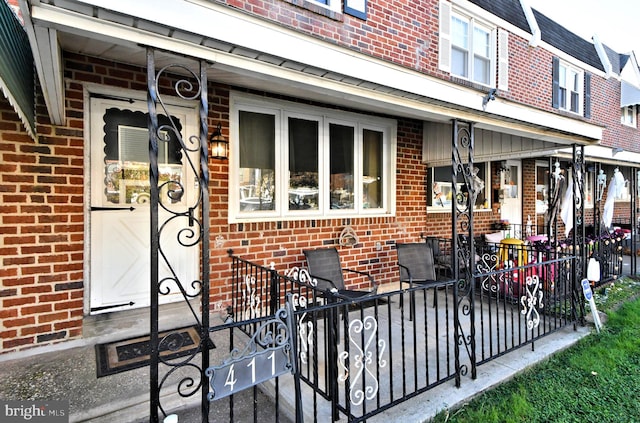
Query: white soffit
pixel 606 155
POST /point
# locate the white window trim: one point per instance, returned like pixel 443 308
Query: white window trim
pixel 487 192
pixel 282 110
pixel 333 5
pixel 567 106
pixel 625 114
pixel 446 45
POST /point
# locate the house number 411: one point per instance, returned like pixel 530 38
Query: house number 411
pixel 245 372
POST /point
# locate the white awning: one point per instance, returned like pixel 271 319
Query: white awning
pixel 606 155
pixel 629 95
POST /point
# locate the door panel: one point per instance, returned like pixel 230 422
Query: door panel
pixel 120 213
pixel 511 208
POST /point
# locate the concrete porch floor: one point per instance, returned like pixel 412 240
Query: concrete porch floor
pixel 70 374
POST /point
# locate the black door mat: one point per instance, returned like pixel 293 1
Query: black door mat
pixel 133 353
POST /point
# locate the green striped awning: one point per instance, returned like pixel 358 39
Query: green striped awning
pixel 16 67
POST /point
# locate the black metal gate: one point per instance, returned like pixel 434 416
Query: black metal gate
pixel 185 373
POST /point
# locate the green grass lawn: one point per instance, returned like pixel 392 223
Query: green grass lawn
pixel 597 380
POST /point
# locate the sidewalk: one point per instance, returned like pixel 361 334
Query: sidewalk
pixel 70 374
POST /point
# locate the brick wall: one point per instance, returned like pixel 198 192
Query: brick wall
pixel 42 224
pixel 407 34
pixel 42 183
pixel 41 232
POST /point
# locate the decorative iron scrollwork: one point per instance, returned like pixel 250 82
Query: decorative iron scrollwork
pixel 363 359
pixel 532 300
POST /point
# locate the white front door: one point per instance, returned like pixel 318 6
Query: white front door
pixel 511 186
pixel 119 221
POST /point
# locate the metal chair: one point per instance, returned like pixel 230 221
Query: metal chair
pixel 416 266
pixel 324 266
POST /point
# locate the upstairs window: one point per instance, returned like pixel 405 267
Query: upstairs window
pixel 629 116
pixel 568 87
pixel 300 162
pixel 468 47
pixel 333 5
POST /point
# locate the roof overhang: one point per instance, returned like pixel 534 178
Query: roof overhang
pixel 606 155
pixel 16 68
pixel 248 52
pixel 629 95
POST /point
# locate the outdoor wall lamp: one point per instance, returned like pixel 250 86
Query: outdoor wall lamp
pixel 219 146
pixel 491 95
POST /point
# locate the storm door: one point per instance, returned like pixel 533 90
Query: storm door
pixel 120 193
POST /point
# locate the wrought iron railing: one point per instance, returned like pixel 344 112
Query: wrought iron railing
pixel 357 358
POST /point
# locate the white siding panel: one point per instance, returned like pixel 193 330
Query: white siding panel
pixel 489 145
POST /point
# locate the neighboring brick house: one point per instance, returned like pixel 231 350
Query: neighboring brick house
pixel 385 81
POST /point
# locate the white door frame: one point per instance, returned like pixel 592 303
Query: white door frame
pixel 511 207
pixel 190 111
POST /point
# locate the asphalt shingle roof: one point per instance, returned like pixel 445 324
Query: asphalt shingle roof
pixel 552 32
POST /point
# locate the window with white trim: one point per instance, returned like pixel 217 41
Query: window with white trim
pixel 568 87
pixel 333 5
pixel 468 47
pixel 440 190
pixel 294 161
pixel 629 116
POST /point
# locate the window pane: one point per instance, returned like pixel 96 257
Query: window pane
pixel 562 98
pixel 341 139
pixel 257 161
pixel 542 188
pixel 481 70
pixel 480 42
pixel 372 169
pixel 575 102
pixel 442 191
pixel 459 62
pixel 573 80
pixel 126 149
pixel 562 77
pixel 512 192
pixel 460 33
pixel 303 164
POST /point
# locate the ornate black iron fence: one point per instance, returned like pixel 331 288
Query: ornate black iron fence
pixel 358 358
pixel 353 359
pixel 524 292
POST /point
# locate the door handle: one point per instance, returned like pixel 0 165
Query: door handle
pixel 112 208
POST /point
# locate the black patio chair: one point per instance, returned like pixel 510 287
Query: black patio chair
pixel 442 262
pixel 417 267
pixel 324 266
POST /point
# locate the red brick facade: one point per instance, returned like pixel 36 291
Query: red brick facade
pixel 42 227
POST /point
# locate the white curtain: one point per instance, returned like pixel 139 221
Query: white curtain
pixel 566 210
pixel 615 190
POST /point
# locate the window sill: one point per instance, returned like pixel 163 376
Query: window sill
pixel 317 8
pixel 310 217
pixel 436 209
